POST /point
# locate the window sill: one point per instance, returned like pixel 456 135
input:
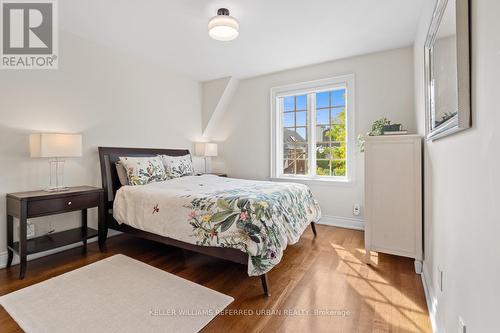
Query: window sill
pixel 318 181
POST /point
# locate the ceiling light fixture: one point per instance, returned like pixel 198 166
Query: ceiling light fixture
pixel 223 27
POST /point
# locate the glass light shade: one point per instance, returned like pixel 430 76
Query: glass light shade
pixel 223 28
pixel 55 145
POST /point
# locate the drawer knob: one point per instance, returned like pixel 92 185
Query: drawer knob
pixel 69 203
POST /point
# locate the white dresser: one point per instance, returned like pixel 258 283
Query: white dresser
pixel 393 196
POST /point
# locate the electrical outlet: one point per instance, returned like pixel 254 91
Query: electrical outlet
pixel 30 230
pixel 461 326
pixel 356 209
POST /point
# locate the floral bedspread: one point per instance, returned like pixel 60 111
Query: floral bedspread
pixel 257 217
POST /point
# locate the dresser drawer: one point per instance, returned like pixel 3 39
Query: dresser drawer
pixel 64 204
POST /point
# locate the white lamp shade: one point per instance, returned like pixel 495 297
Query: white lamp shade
pixel 206 149
pixel 55 145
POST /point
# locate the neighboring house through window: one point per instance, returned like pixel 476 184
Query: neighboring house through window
pixel 313 130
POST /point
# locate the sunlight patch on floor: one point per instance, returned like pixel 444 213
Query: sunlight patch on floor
pixel 377 291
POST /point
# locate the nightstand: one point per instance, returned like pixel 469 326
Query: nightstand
pixel 25 205
pixel 214 173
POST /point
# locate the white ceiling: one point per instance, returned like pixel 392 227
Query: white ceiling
pixel 274 34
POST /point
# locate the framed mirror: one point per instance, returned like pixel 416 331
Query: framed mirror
pixel 447 70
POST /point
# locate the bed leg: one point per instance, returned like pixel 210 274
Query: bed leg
pixel 265 284
pixel 313 227
pixel 102 236
pixel 102 232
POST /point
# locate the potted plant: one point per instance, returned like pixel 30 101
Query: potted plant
pixel 379 127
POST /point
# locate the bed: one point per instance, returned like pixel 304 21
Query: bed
pixel 247 222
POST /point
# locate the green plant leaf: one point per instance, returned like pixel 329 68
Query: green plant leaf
pixel 252 228
pixel 255 238
pixel 228 223
pixel 223 204
pixel 221 216
pixel 242 203
pixel 258 213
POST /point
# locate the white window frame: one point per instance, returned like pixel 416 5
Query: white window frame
pixel 277 133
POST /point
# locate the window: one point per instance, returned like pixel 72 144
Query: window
pixel 312 130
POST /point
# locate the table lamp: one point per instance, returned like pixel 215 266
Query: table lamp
pixel 206 149
pixel 56 147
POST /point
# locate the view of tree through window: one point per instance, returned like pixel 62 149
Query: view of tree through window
pixel 328 126
pixel 330 133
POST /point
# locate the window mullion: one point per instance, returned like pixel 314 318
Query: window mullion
pixel 279 121
pixel 312 130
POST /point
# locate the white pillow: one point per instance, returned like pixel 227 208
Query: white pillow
pixel 178 166
pixel 143 170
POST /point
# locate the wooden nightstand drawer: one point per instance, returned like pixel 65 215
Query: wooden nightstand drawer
pixel 65 204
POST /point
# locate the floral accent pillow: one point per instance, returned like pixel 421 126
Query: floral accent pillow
pixel 143 170
pixel 178 166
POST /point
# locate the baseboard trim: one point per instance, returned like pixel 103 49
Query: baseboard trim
pixel 430 298
pixel 3 255
pixel 343 222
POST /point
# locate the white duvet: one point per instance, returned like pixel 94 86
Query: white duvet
pixel 259 218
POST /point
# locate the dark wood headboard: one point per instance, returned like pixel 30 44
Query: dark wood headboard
pixel 108 156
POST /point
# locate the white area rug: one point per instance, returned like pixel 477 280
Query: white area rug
pixel 116 294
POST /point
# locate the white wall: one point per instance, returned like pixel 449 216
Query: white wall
pixel 384 87
pixel 112 99
pixel 462 182
pixel 211 94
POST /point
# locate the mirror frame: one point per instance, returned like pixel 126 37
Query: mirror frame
pixel 462 120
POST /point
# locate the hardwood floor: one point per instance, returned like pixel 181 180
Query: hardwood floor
pixel 326 273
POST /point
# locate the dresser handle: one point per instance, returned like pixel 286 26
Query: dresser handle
pixel 69 203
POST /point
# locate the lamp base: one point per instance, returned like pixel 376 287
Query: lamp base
pixel 57 189
pixel 56 183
